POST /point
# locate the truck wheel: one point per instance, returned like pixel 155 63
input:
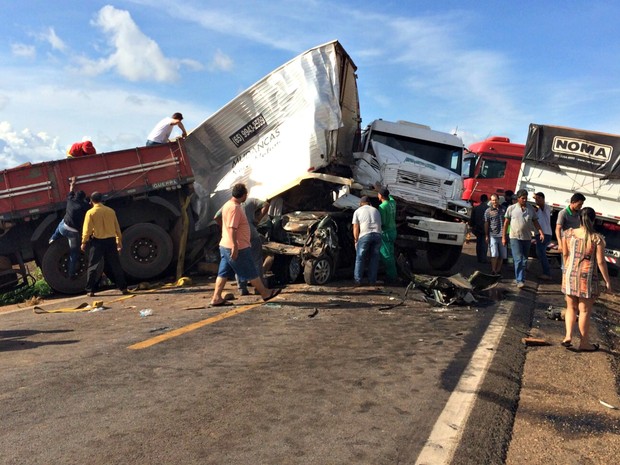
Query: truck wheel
pixel 55 269
pixel 318 271
pixel 442 257
pixel 146 252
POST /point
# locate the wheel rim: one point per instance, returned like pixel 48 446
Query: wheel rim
pixel 322 270
pixel 144 250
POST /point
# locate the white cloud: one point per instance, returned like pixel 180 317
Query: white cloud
pixel 17 147
pixel 221 62
pixel 23 50
pixel 55 41
pixel 136 56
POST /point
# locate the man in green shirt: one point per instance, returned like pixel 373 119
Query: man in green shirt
pixel 387 210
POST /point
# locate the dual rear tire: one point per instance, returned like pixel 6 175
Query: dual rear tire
pixel 147 252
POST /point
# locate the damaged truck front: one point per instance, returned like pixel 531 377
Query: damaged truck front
pixel 294 138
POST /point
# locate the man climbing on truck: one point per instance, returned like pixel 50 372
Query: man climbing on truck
pixel 162 130
pixel 71 225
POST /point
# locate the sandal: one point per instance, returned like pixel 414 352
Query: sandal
pixel 594 348
pixel 566 343
pixel 273 294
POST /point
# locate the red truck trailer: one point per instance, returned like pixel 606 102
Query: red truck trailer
pixel 491 167
pixel 146 186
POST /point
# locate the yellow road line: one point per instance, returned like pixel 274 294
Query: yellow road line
pixel 186 329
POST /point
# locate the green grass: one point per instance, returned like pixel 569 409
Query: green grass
pixel 39 289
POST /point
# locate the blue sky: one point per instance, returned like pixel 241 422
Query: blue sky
pixel 110 70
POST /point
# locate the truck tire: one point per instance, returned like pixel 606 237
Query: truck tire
pixel 147 251
pixel 54 268
pixel 318 271
pixel 442 257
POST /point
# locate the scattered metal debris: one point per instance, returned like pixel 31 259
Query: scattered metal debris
pixel 555 313
pixel 605 404
pixel 162 328
pixel 454 289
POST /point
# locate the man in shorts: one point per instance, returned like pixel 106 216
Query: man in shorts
pixel 236 250
pixel 493 222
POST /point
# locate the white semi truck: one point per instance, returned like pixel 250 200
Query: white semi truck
pixel 294 138
pixel 560 161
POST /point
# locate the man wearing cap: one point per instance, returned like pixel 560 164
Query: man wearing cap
pixel 102 231
pixel 367 236
pixel 387 210
pixel 161 131
pixel 544 220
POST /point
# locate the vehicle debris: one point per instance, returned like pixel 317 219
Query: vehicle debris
pixel 605 404
pixel 555 313
pixel 453 289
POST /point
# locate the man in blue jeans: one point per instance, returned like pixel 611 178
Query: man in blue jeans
pixel 544 219
pixel 367 236
pixel 71 226
pixel 520 217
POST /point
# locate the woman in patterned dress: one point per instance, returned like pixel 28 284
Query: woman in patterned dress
pixel 583 251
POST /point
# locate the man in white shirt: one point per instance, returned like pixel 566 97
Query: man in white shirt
pixel 367 236
pixel 521 217
pixel 162 130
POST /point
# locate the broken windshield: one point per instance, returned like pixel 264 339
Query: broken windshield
pixel 446 156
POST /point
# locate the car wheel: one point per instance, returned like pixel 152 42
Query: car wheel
pixel 318 271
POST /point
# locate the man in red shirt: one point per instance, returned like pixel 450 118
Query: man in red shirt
pixel 80 149
pixel 236 251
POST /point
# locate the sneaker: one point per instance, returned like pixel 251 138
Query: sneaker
pixel 545 277
pixel 520 285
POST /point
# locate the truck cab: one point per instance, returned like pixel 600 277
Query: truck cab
pixel 491 167
pixel 422 169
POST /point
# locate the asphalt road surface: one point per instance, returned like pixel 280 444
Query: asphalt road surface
pixel 330 375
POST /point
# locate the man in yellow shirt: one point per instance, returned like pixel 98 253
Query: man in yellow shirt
pixel 102 232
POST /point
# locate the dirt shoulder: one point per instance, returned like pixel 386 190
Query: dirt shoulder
pixel 562 415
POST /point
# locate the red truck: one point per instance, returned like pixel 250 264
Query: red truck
pixel 146 186
pixel 491 167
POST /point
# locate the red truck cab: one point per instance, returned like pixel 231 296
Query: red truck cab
pixel 491 167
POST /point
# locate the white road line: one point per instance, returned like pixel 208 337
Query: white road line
pixel 443 440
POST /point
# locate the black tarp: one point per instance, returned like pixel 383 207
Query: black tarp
pixel 595 152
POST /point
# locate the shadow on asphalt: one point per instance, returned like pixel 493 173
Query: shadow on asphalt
pixel 17 339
